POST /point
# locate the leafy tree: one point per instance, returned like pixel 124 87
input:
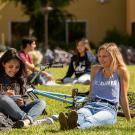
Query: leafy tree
pixel 56 20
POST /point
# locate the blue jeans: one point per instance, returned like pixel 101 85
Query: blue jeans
pixel 32 110
pixel 40 79
pixel 96 114
pixel 82 79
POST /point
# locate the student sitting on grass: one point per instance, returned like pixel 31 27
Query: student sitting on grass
pixel 28 45
pixel 80 64
pixel 109 87
pixel 12 100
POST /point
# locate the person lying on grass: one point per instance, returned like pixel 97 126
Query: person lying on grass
pixel 109 86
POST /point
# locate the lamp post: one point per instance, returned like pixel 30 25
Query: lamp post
pixel 46 11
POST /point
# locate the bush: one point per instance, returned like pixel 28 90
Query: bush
pixel 119 38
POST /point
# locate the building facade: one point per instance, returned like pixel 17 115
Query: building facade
pixel 97 16
pixel 9 13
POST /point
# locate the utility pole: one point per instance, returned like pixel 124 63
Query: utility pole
pixel 46 10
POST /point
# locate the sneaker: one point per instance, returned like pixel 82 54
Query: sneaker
pixel 72 119
pixel 55 117
pixel 63 121
pixel 22 123
pixel 44 121
pixel 75 81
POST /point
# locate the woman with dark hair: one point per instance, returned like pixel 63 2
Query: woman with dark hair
pixel 28 45
pixel 11 55
pixel 12 91
pixel 80 64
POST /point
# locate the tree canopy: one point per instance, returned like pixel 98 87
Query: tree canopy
pixel 56 20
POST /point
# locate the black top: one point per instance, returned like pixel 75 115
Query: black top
pixel 80 65
pixel 8 83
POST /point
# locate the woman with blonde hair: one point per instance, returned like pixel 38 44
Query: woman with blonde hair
pixel 109 86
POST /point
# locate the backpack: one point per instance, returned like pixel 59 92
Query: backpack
pixel 5 122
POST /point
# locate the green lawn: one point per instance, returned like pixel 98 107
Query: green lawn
pixel 55 107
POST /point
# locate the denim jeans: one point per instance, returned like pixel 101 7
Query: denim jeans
pixel 82 79
pixel 40 79
pixel 96 114
pixel 31 110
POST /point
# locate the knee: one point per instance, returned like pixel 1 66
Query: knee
pixel 41 102
pixel 80 110
pixel 4 99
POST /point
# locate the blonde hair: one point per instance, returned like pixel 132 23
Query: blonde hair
pixel 113 50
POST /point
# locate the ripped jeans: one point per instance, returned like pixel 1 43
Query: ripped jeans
pixel 96 114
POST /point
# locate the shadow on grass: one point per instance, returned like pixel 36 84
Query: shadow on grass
pixel 113 128
pixel 98 130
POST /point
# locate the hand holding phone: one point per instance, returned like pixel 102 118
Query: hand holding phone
pixel 20 102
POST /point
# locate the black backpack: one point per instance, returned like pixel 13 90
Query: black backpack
pixel 5 122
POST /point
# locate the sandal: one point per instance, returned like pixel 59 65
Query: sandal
pixel 63 121
pixel 72 119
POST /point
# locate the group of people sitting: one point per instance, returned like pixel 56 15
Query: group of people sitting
pixel 79 66
pixel 108 86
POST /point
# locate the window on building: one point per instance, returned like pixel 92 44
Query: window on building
pixel 75 30
pixel 133 28
pixel 17 31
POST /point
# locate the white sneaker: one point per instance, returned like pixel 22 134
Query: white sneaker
pixel 55 117
pixel 44 121
pixel 75 81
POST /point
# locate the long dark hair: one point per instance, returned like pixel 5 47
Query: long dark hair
pixel 86 44
pixel 11 54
